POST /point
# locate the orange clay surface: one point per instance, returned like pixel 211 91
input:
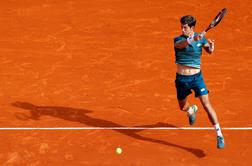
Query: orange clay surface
pixel 110 63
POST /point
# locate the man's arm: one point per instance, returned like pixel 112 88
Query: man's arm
pixel 183 43
pixel 209 47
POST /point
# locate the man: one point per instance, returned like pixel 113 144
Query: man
pixel 188 51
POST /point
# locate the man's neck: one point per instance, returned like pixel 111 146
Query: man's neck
pixel 190 35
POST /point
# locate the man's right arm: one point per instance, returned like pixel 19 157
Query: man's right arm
pixel 183 43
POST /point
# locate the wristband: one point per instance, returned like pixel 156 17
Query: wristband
pixel 190 40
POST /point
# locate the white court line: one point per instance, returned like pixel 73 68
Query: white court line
pixel 122 128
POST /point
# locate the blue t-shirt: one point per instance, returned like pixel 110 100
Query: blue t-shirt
pixel 191 54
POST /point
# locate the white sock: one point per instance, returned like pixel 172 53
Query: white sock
pixel 190 111
pixel 218 129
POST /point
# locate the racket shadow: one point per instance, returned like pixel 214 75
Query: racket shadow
pixel 80 115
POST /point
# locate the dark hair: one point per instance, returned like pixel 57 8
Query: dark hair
pixel 190 20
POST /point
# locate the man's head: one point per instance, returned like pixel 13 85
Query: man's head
pixel 187 25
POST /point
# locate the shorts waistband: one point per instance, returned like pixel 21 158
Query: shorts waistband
pixel 197 74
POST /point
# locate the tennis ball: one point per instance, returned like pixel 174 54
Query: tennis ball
pixel 118 150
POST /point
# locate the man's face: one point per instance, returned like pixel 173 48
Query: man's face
pixel 186 30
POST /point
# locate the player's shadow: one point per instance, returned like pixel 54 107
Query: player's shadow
pixel 80 115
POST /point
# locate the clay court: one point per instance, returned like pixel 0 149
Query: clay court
pixel 110 63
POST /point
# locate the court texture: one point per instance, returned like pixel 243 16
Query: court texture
pixel 79 78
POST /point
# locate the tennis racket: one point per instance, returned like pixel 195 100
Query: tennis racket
pixel 216 20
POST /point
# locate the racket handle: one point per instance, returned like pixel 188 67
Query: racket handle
pixel 203 33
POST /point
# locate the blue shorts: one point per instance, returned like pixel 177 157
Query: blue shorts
pixel 184 85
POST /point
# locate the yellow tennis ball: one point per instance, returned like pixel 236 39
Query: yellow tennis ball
pixel 118 150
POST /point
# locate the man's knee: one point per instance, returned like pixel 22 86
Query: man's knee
pixel 207 106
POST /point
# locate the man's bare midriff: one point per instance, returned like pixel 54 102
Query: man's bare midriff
pixel 187 70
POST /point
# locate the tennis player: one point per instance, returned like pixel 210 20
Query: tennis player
pixel 188 51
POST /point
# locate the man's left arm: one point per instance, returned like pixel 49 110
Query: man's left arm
pixel 209 46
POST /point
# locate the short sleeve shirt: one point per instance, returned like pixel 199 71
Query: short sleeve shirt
pixel 191 54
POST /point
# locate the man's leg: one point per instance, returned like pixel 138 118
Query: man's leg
pixel 191 110
pixel 184 104
pixel 209 109
pixel 213 119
